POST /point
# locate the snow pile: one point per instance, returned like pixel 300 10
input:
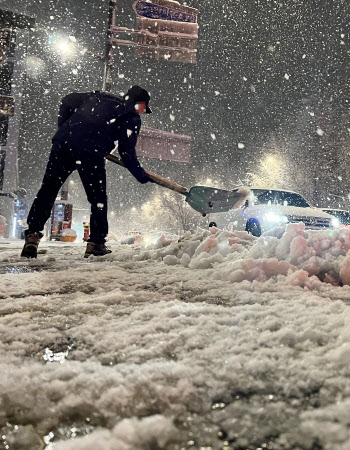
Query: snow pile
pixel 238 256
pixel 200 250
pixel 128 352
pixel 129 434
pixel 321 253
pixel 215 334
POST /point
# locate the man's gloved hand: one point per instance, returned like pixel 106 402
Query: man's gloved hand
pixel 145 179
pixel 140 175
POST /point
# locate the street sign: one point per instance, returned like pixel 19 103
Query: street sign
pixel 166 30
pixel 165 10
pixel 166 40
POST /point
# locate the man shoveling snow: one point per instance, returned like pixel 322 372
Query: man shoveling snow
pixel 89 124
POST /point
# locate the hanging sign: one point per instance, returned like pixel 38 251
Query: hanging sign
pixel 158 144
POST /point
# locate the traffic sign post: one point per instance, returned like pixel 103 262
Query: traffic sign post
pixel 164 30
pixel 109 54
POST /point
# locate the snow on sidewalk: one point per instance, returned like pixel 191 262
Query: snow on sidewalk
pixel 221 340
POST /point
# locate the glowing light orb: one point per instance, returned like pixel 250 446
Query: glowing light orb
pixel 63 45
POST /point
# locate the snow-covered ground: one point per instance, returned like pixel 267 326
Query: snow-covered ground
pixel 219 341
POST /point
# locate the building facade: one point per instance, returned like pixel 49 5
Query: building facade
pixel 14 33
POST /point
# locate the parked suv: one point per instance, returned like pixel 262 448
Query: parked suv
pixel 267 208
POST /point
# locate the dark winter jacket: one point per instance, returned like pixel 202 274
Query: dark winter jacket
pixel 97 120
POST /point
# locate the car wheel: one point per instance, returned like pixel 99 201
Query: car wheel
pixel 253 227
pixel 212 224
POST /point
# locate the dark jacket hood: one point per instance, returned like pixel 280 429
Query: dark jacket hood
pixel 137 94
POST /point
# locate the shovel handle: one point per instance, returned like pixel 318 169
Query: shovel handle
pixel 156 178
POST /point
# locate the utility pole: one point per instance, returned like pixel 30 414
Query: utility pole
pixel 109 54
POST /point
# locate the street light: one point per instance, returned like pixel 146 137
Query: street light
pixel 65 46
pixel 269 174
pixel 273 170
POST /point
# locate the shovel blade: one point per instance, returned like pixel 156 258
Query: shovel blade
pixel 211 200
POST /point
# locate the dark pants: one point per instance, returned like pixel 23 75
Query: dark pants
pixel 91 167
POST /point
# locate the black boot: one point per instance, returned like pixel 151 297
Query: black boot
pixel 30 248
pixel 96 250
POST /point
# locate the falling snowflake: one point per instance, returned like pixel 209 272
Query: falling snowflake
pixel 240 145
pixel 172 117
pixel 320 132
pixel 213 136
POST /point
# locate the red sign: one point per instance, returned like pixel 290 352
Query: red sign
pixel 162 145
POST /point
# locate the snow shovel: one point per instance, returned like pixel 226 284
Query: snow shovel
pixel 203 199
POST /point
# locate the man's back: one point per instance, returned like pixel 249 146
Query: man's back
pixel 94 119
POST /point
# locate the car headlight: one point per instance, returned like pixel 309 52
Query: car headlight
pixel 276 218
pixel 335 222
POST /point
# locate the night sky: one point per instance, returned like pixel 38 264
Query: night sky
pixel 271 79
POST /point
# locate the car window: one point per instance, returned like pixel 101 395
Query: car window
pixel 265 197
